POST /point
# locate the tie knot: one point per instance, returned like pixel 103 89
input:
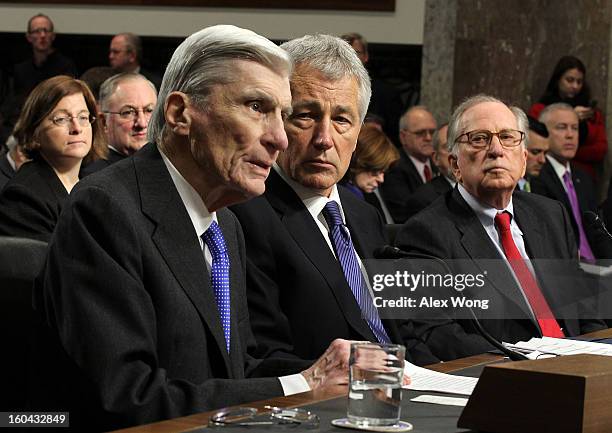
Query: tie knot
pixel 502 220
pixel 331 213
pixel 213 238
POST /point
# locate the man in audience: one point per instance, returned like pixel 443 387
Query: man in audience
pixel 428 193
pixel 142 295
pixel 385 101
pixel 306 261
pixel 414 168
pixel 46 62
pixel 537 147
pixel 126 103
pixel 560 180
pixel 125 55
pixel 487 230
pixel 10 160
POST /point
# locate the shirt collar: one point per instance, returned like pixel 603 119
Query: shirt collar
pixel 485 213
pixel 11 161
pixel 559 168
pixel 199 215
pixel 313 201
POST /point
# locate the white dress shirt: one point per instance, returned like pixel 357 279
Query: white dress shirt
pixel 560 169
pixel 201 219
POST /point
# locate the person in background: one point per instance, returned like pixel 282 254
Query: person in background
pixel 95 76
pixel 57 129
pixel 537 148
pixel 568 84
pixel 126 103
pixel 10 160
pixel 125 55
pixel 373 156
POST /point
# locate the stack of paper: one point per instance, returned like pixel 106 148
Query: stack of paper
pixel 561 346
pixel 423 379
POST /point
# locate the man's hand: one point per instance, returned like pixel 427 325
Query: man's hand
pixel 583 113
pixel 332 367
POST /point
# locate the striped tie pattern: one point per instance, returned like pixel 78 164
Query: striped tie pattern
pixel 219 275
pixel 348 260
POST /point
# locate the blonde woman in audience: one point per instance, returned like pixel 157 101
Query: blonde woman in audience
pixel 57 129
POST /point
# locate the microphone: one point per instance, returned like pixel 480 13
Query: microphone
pixel 599 236
pixel 391 252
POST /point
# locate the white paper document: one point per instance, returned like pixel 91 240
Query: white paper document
pixel 439 399
pixel 423 379
pixel 561 346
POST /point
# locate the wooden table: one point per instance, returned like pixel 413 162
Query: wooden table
pixel 198 420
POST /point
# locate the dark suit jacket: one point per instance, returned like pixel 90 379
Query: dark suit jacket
pixel 99 164
pixel 548 184
pixel 132 328
pixel 6 171
pixel 457 234
pixel 401 181
pixel 299 299
pixel 426 194
pixel 31 202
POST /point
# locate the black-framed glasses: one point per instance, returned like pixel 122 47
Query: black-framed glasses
pixel 423 132
pixel 481 139
pixel 83 119
pixel 131 113
pixel 245 416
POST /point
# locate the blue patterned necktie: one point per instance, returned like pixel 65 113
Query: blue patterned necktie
pixel 348 260
pixel 219 275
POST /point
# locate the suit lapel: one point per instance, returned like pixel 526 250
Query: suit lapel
pixel 300 225
pixel 176 238
pixel 549 177
pixel 441 185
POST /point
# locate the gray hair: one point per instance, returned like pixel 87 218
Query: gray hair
pixel 455 126
pixel 335 59
pixel 403 121
pixel 202 61
pixel 109 86
pixel 558 106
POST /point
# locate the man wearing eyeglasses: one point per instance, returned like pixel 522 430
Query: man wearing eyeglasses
pixel 125 55
pixel 486 228
pixel 46 62
pixel 126 103
pixel 414 168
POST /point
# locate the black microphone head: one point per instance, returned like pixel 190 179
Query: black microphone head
pixel 591 218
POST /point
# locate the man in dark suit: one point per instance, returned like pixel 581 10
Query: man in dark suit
pixel 296 268
pixel 427 193
pixel 486 230
pixel 537 148
pixel 125 55
pixel 414 168
pixel 126 103
pixel 143 293
pixel 560 180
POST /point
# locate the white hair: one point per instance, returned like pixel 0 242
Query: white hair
pixel 201 62
pixel 549 109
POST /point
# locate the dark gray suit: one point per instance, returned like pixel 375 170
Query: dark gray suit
pixel 127 295
pixel 449 229
pixel 426 194
pixel 6 171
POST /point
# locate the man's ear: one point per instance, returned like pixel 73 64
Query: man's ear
pixel 452 159
pixel 177 113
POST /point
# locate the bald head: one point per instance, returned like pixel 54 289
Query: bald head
pixel 417 127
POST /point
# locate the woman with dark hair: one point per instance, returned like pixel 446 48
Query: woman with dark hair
pixel 568 84
pixel 373 156
pixel 57 129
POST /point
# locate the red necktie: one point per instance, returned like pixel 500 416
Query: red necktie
pixel 427 173
pixel 541 309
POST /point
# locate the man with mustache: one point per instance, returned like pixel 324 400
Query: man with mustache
pixel 306 236
pixel 486 228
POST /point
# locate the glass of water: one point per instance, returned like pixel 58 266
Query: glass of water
pixel 375 383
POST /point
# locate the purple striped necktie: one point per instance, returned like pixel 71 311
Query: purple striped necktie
pixel 585 249
pixel 345 252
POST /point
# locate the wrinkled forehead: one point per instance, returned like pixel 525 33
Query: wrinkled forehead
pixel 39 22
pixel 493 116
pixel 563 116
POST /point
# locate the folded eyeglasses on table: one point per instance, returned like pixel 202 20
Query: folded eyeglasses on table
pixel 246 416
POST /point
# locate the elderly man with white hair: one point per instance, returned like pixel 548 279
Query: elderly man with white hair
pixel 507 237
pixel 143 293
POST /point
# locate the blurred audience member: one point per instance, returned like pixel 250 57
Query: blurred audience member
pixel 125 55
pixel 94 77
pixel 385 101
pixel 537 147
pixel 10 160
pixel 373 156
pixel 57 130
pixel 414 168
pixel 428 193
pixel 568 84
pixel 126 103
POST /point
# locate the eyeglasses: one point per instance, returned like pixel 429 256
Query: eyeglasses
pixel 82 119
pixel 245 416
pixel 40 30
pixel 423 132
pixel 481 139
pixel 131 113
